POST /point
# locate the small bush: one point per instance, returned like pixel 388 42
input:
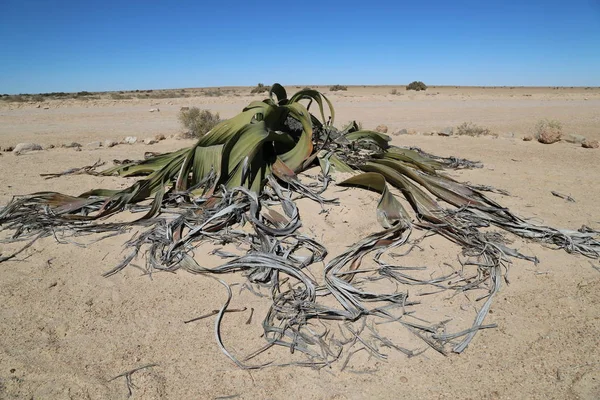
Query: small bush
pixel 198 122
pixel 335 88
pixel 394 91
pixel 260 88
pixel 471 129
pixel 416 85
pixel 548 127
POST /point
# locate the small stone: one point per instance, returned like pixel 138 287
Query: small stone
pixel 94 145
pixel 130 139
pixel 110 143
pixel 154 110
pixel 159 137
pixel 549 136
pixel 528 138
pixel 448 131
pixel 402 132
pixel 403 379
pixel 71 145
pixel 38 106
pixel 77 148
pixel 46 107
pixel 150 154
pixel 590 144
pixel 576 139
pixel 381 129
pixel 150 141
pixel 25 147
pixel 48 147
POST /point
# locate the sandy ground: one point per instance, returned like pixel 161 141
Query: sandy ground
pixel 65 331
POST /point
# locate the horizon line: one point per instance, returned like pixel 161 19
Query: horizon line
pixel 313 85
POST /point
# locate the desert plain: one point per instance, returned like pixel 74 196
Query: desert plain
pixel 66 331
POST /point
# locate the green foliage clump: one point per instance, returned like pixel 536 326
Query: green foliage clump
pixel 198 122
pixel 416 85
pixel 83 94
pixel 336 88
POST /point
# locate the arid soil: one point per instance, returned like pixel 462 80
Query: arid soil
pixel 65 331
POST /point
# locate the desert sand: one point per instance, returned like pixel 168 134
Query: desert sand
pixel 65 331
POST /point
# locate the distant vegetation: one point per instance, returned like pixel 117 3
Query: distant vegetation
pixel 26 97
pixel 198 122
pixel 416 85
pixel 120 96
pixel 217 92
pixel 260 88
pixel 335 88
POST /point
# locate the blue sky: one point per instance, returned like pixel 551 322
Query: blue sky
pixel 73 45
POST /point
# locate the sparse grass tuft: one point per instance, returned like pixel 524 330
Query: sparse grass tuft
pixel 198 122
pixel 416 85
pixel 471 129
pixel 336 88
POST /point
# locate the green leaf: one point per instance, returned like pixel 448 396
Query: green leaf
pixel 377 138
pixel 423 205
pixel 389 210
pixel 318 97
pixel 278 91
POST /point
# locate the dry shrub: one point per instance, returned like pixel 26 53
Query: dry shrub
pixel 198 122
pixel 471 129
